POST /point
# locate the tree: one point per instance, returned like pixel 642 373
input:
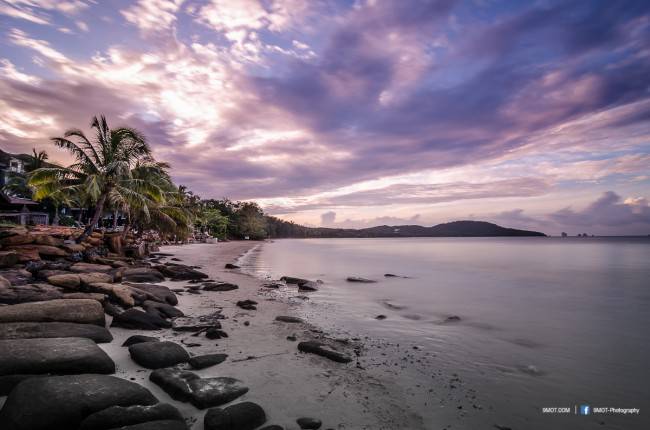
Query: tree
pixel 102 168
pixel 214 222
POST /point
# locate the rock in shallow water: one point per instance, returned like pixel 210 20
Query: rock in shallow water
pixel 201 392
pixel 324 351
pixel 241 416
pixel 118 416
pixel 53 355
pixel 288 319
pixel 219 286
pixel 31 330
pixel 360 280
pixel 155 355
pixel 62 402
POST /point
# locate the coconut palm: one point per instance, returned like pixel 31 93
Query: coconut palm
pixel 102 167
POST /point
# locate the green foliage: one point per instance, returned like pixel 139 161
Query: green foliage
pixel 66 221
pixel 212 221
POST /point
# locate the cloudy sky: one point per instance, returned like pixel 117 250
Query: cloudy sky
pixel 355 113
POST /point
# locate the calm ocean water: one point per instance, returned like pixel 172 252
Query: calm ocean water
pixel 545 322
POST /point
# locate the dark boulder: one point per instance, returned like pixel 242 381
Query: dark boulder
pixel 309 423
pixel 53 355
pixel 137 320
pixel 293 280
pixel 118 416
pixel 288 319
pixel 13 294
pixel 30 330
pixel 219 286
pixel 157 425
pixel 180 272
pixel 163 309
pixel 154 355
pixel 453 318
pixel 380 317
pixel 203 361
pixel 203 393
pixel 248 305
pixel 231 266
pixel 308 286
pixel 272 427
pixel 240 416
pixel 360 280
pixel 62 402
pixel 324 351
pixel 158 293
pixel 142 274
pixel 215 333
pixel 138 338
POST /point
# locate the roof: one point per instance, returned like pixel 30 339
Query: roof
pixel 17 200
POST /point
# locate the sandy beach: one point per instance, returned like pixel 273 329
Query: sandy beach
pixel 288 384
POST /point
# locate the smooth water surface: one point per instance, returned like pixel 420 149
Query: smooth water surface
pixel 545 322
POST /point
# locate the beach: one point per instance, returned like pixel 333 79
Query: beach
pixel 286 383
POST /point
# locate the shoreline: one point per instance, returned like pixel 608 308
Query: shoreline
pixel 287 384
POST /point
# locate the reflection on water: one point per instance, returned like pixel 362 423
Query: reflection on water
pixel 541 321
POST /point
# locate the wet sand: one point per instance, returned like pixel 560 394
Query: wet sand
pixel 286 383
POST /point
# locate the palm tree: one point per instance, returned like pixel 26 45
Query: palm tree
pixel 102 167
pixel 38 159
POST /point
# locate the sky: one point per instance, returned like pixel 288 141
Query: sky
pixel 356 113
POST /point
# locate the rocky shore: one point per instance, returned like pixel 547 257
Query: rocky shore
pixel 108 335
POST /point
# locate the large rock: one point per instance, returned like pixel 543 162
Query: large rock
pixel 62 310
pixel 203 361
pixel 4 282
pixel 26 253
pixel 17 276
pixel 163 309
pixel 143 274
pixel 68 280
pixel 219 286
pixel 89 268
pixel 307 423
pixel 359 279
pixel 157 425
pixel 201 392
pixel 34 252
pixel 46 239
pixel 73 247
pixel 293 280
pixel 118 416
pixel 158 293
pixel 63 402
pixel 69 355
pixel 8 258
pixel 17 239
pixel 180 272
pixel 119 292
pixel 94 278
pixel 154 355
pixel 30 330
pixel 289 319
pixel 101 298
pixel 240 416
pixel 137 320
pixel 138 338
pixel 324 351
pixel 14 294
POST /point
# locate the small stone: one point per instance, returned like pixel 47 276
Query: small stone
pixel 309 423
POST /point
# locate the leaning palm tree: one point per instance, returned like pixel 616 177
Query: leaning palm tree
pixel 101 165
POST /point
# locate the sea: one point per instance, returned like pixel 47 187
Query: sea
pixel 484 333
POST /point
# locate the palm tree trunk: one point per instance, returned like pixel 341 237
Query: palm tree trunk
pixel 115 220
pixel 99 208
pixel 127 225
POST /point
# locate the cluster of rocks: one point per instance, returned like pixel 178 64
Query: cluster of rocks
pixel 55 294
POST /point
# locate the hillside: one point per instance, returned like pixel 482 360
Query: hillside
pixel 283 229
